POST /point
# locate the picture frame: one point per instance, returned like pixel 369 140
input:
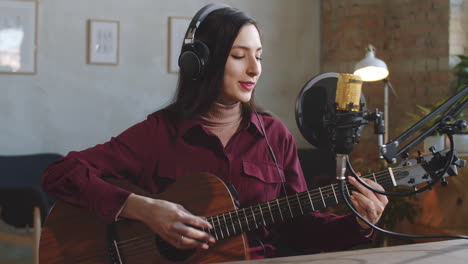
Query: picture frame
pixel 18 35
pixel 103 42
pixel 177 28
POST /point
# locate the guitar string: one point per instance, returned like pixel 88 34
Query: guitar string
pixel 162 249
pixel 276 213
pixel 295 206
pixel 325 191
pixel 226 224
pixel 139 240
pixel 147 247
pixel 230 219
pixel 328 191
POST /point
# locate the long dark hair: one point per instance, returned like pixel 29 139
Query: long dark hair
pixel 218 31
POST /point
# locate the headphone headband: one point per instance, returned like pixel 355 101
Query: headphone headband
pixel 198 19
pixel 195 54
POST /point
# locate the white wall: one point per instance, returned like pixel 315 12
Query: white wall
pixel 70 105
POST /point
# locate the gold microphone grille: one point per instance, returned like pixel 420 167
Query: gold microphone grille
pixel 348 92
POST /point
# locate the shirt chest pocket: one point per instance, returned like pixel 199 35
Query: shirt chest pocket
pixel 260 182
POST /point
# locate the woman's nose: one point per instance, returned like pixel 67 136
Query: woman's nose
pixel 254 67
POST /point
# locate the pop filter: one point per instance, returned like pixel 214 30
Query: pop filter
pixel 315 108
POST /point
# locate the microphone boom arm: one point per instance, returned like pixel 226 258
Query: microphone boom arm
pixel 457 103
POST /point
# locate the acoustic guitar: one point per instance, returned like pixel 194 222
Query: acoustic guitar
pixel 74 235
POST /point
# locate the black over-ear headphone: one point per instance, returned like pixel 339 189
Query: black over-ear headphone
pixel 195 54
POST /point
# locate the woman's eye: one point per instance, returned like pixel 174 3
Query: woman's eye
pixel 237 57
pixel 259 59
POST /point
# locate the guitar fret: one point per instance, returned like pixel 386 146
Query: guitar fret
pixel 279 209
pixel 375 179
pixel 246 220
pixel 347 190
pixel 232 222
pixel 324 205
pixel 263 218
pixel 225 222
pixel 336 198
pixel 289 206
pixel 253 214
pixel 116 247
pixel 214 228
pixel 392 176
pixel 220 227
pixel 299 201
pixel 238 219
pixel 311 203
pixel 271 213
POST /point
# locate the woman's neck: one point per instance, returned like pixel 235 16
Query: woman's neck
pixel 223 120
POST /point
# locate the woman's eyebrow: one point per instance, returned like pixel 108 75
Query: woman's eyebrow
pixel 244 47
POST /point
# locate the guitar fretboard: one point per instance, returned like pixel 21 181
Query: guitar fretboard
pixel 251 218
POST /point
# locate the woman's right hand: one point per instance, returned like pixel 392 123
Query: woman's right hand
pixel 170 221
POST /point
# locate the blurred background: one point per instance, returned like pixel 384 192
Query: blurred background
pixel 67 103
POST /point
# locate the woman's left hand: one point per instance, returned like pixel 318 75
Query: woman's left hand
pixel 369 204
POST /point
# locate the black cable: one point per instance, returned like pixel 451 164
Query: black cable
pixel 345 198
pixel 272 154
pixel 437 178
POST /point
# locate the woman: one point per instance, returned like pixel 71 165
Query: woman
pixel 211 126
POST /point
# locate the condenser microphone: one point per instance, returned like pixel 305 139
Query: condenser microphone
pixel 347 121
pixel 331 113
pixel 347 113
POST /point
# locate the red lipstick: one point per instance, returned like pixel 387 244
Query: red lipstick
pixel 247 85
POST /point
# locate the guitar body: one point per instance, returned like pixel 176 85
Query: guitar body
pixel 74 235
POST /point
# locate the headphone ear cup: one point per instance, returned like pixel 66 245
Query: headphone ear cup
pixel 188 61
pixel 193 59
pixel 203 53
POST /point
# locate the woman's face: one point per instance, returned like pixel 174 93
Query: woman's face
pixel 243 66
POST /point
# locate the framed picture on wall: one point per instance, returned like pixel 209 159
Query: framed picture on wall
pixel 177 28
pixel 103 42
pixel 18 36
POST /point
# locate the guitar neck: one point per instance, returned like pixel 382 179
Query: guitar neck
pixel 251 218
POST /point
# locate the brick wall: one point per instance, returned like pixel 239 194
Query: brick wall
pixel 411 36
pixel 418 40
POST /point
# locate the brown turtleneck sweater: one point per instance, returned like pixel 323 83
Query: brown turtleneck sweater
pixel 223 120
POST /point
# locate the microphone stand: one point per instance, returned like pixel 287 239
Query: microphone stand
pixel 390 152
pixel 452 106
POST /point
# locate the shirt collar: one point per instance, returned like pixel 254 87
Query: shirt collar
pixel 254 120
pixel 186 124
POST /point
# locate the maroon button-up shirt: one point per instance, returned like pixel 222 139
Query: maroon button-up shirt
pixel 156 152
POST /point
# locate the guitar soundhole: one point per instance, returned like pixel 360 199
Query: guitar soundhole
pixel 171 253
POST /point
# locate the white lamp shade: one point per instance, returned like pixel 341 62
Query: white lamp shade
pixel 371 68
